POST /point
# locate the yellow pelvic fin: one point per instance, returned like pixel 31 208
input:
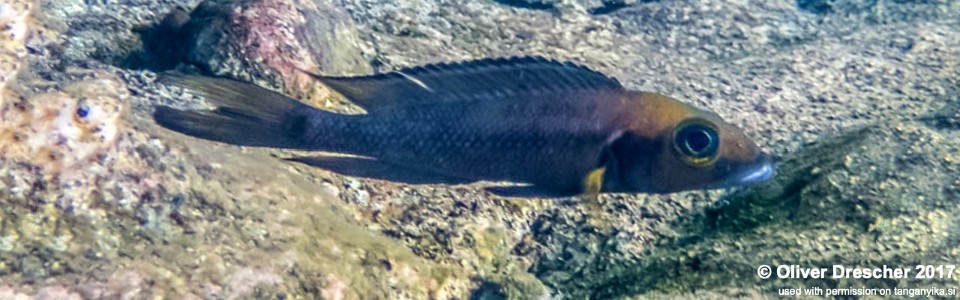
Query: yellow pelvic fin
pixel 593 183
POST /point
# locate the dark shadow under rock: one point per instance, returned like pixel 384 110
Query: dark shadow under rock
pixel 163 44
pixel 533 4
pixel 820 7
pixel 488 291
pixel 611 6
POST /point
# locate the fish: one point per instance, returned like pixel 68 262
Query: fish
pixel 559 128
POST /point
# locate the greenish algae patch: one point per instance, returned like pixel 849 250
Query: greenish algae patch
pixel 509 276
pixel 364 263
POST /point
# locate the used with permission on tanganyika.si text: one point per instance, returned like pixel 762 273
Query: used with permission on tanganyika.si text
pixel 865 291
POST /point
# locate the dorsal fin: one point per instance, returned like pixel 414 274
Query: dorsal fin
pixel 468 80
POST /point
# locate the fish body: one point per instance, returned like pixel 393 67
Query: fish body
pixel 527 120
pixel 490 140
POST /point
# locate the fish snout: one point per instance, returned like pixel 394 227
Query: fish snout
pixel 760 171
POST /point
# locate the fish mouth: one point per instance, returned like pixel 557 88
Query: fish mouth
pixel 763 171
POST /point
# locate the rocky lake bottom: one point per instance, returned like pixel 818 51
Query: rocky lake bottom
pixel 858 100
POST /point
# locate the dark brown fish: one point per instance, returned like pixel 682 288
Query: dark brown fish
pixel 563 128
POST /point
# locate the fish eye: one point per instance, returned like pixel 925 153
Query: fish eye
pixel 697 142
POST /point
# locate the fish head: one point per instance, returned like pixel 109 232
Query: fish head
pixel 669 146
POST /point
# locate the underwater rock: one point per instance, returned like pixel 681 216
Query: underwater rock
pixel 770 66
pixel 270 41
pixel 14 22
pixel 70 135
pixel 874 11
pixel 99 202
pixel 148 213
pixel 843 196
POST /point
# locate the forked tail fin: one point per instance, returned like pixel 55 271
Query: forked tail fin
pixel 245 114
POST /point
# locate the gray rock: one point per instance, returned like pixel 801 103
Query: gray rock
pixel 271 39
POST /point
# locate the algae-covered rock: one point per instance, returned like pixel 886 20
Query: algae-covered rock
pixel 790 77
pixel 252 40
pixel 857 99
pixel 99 202
pixel 268 42
pixel 15 20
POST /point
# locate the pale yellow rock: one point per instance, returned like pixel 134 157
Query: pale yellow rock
pixel 63 131
pixel 14 20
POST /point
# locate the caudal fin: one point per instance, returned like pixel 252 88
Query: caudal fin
pixel 245 114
